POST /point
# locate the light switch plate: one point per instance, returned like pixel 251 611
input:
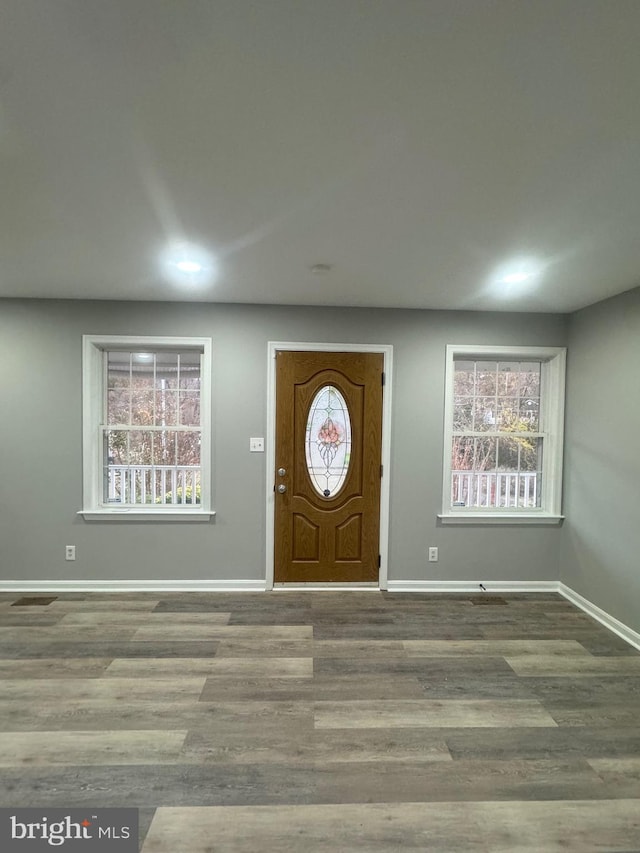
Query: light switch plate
pixel 256 445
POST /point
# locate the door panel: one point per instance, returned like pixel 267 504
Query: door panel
pixel 330 530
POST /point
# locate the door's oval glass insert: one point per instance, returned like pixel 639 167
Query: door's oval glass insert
pixel 328 441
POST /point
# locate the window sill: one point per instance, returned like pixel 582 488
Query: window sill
pixel 145 515
pixel 499 518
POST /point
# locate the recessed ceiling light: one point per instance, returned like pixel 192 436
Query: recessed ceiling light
pixel 516 277
pixel 188 265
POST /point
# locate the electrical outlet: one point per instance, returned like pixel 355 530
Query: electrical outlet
pixel 433 555
pixel 69 552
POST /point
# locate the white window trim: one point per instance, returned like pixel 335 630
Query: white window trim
pixel 93 347
pixel 553 383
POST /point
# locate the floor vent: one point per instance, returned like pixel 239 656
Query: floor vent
pixel 39 600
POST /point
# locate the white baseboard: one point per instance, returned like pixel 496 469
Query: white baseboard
pixel 632 637
pixel 57 586
pixel 472 586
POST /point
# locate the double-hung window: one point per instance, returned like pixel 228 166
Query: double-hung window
pixel 146 431
pixel 504 415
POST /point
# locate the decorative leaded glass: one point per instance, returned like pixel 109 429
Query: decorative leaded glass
pixel 328 441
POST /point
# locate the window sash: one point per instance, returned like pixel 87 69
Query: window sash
pixel 545 493
pixel 146 486
pixel 500 485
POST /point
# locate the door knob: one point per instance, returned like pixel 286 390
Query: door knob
pixel 282 488
pixel 281 472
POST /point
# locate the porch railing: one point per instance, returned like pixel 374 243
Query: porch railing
pixel 498 489
pixel 135 485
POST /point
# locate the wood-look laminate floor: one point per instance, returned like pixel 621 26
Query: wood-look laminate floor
pixel 337 721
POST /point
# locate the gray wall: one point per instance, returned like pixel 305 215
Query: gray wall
pixel 601 536
pixel 40 440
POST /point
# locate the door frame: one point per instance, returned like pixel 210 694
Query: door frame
pixel 297 346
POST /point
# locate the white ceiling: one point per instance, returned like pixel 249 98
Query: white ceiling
pixel 413 144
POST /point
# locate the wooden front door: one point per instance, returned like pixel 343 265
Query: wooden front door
pixel 328 466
